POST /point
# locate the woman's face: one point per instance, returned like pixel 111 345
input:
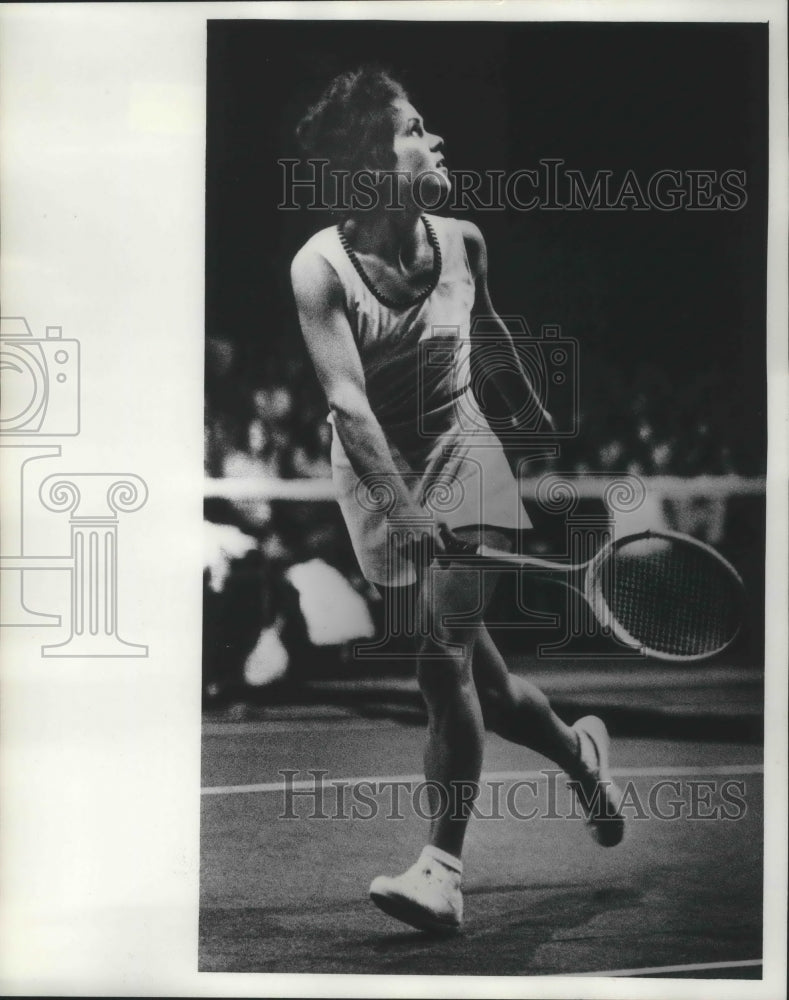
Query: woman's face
pixel 419 155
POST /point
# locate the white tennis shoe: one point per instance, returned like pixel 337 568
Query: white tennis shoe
pixel 426 896
pixel 600 799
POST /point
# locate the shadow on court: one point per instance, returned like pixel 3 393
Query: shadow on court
pixel 510 925
pixel 541 898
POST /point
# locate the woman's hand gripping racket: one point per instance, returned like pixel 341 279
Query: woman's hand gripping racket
pixel 665 594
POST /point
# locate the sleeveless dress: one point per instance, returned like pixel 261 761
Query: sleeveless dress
pixel 416 367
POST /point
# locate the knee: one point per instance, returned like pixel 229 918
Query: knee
pixel 506 704
pixel 452 645
pixel 444 668
pixel 498 703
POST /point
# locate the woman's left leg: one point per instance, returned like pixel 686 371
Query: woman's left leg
pixel 518 710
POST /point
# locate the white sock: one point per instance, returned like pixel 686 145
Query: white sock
pixel 447 860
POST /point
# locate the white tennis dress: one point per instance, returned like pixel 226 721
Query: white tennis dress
pixel 416 367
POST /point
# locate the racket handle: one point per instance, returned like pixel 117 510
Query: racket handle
pixel 454 546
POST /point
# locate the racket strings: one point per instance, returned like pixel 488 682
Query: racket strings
pixel 672 598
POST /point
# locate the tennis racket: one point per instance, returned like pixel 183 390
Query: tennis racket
pixel 665 594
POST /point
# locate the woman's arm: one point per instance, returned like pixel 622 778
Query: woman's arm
pixel 334 354
pixel 513 382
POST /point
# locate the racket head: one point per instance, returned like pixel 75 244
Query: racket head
pixel 667 595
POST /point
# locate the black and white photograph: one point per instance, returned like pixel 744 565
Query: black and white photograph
pixel 486 458
pixel 393 580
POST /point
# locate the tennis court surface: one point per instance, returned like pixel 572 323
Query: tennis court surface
pixel 681 896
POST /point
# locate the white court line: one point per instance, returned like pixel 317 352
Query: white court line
pixel 279 726
pixel 697 967
pixel 376 780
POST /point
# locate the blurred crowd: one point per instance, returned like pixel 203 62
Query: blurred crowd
pixel 271 425
pixel 282 591
pixel 640 425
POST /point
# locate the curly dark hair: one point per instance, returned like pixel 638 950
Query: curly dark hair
pixel 352 124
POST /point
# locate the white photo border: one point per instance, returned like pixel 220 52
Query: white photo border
pixel 102 205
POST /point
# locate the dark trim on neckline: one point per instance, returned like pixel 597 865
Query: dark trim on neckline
pixel 373 288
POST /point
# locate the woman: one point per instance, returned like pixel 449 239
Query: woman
pixel 385 301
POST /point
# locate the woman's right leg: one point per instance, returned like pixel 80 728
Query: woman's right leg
pixel 512 706
pixel 428 894
pixel 456 730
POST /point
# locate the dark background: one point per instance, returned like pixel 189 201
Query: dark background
pixel 674 300
pixel 668 308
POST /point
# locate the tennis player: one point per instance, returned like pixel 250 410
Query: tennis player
pixel 370 293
